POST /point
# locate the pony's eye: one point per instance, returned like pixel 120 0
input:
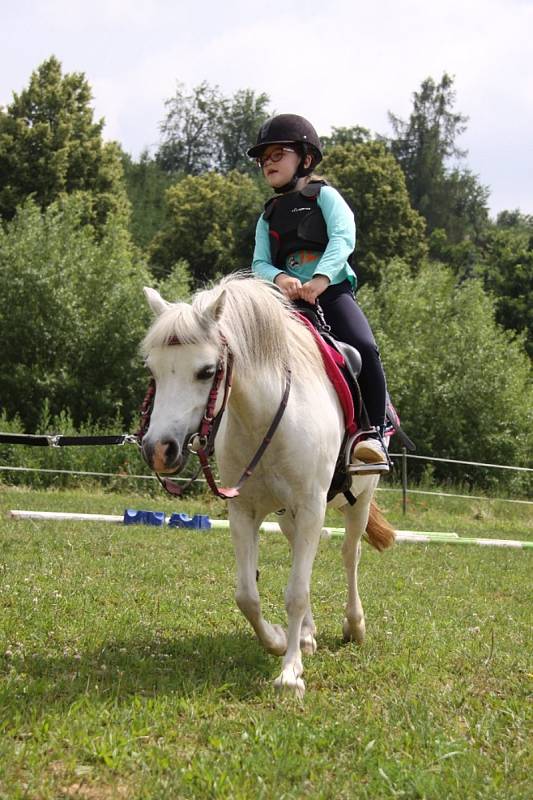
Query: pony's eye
pixel 206 373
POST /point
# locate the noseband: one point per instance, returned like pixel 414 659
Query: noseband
pixel 202 443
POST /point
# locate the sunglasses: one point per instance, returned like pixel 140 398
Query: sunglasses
pixel 274 156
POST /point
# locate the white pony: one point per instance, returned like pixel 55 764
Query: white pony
pixel 182 350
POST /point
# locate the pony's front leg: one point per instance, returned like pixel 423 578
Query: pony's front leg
pixel 297 603
pixel 308 631
pixel 245 536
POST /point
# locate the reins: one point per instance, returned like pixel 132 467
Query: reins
pixel 234 490
pixel 202 443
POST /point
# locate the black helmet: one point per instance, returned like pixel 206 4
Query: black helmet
pixel 288 129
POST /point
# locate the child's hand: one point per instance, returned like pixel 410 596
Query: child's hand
pixel 313 288
pixel 288 285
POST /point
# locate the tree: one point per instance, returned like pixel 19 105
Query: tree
pixel 50 145
pixel 146 184
pixel 502 257
pixel 72 314
pixel 505 265
pixel 211 224
pixel 177 285
pixel 342 136
pixel 205 130
pixel 460 206
pixel 190 130
pixel 373 185
pixel 423 145
pixel 516 220
pixel 461 383
pixel 244 115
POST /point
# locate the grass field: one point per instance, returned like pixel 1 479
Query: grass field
pixel 126 670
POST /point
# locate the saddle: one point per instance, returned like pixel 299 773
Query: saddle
pixel 343 365
pixel 342 362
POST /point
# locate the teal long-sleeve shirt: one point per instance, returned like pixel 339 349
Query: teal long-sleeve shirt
pixel 333 262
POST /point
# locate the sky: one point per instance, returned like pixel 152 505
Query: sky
pixel 336 62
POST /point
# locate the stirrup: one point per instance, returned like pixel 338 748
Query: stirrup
pixel 368 469
pixel 377 468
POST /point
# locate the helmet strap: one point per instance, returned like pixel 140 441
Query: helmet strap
pixel 304 171
pixel 288 187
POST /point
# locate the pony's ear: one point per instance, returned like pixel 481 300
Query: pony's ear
pixel 214 311
pixel 155 301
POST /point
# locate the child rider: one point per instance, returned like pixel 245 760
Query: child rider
pixel 302 244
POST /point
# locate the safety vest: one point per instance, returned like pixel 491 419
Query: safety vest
pixel 295 223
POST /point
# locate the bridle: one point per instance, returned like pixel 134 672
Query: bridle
pixel 202 443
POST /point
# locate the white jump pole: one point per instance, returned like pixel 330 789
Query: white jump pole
pixel 332 533
pixel 59 515
pixel 420 537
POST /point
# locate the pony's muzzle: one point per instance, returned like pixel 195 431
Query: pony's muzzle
pixel 164 455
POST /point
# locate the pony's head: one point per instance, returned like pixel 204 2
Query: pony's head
pixel 182 350
pixel 186 344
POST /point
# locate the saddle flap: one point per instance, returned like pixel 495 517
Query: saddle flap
pixel 333 361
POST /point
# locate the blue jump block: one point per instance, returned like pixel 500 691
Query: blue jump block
pixel 198 522
pixel 134 517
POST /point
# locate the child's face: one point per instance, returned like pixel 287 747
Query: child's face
pixel 278 173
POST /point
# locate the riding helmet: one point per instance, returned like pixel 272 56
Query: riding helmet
pixel 288 129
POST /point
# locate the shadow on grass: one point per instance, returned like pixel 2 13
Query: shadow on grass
pixel 230 666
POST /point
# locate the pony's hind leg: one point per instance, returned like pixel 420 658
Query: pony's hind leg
pixel 245 536
pixel 307 636
pixel 356 517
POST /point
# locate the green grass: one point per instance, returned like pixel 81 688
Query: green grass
pixel 127 671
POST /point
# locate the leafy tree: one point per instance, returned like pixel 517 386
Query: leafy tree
pixel 50 145
pixel 190 130
pixel 462 256
pixel 373 185
pixel 516 220
pixel 211 224
pixel 505 265
pixel 146 184
pixel 461 383
pixel 205 130
pixel 448 199
pixel 72 315
pixel 177 285
pixel 342 136
pixel 460 206
pixel 244 114
pixel 427 140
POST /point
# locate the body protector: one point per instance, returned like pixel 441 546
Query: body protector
pixel 296 223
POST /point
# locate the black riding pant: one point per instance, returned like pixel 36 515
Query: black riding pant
pixel 349 324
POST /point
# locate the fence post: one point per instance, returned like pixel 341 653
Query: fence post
pixel 404 479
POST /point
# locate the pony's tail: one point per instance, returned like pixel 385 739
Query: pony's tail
pixel 379 533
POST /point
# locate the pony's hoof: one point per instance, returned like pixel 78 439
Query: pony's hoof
pixel 308 644
pixel 277 641
pixel 353 632
pixel 290 684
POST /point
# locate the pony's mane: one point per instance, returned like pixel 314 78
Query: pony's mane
pixel 257 321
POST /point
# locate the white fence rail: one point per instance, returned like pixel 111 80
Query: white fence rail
pixel 404 489
pixel 404 455
pixel 468 463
